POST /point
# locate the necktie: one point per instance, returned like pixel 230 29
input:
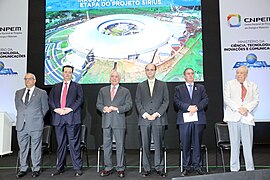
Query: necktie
pixel 244 92
pixel 190 90
pixel 113 92
pixel 64 96
pixel 26 100
pixel 151 86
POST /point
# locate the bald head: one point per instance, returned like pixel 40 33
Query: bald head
pixel 29 80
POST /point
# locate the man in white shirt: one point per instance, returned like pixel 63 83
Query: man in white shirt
pixel 241 97
pixel 32 105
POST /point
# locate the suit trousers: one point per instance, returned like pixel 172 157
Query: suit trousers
pixel 239 131
pixel 26 139
pixel 68 134
pixel 119 134
pixel 158 137
pixel 191 136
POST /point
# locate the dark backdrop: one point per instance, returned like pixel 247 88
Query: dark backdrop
pixel 92 119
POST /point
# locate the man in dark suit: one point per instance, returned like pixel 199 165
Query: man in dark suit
pixel 113 102
pixel 31 105
pixel 65 100
pixel 191 100
pixel 152 100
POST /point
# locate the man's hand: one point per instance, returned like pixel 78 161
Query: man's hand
pixel 192 109
pixel 66 110
pixel 59 111
pixel 62 111
pixel 149 117
pixel 243 111
pixel 153 116
pixel 106 109
pixel 113 108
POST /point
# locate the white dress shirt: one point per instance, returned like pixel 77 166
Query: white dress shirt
pixel 30 93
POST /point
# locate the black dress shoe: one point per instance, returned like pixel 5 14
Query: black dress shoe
pixel 200 171
pixel 78 173
pixel 121 174
pixel 35 174
pixel 106 173
pixel 161 173
pixel 21 174
pixel 184 173
pixel 146 173
pixel 57 172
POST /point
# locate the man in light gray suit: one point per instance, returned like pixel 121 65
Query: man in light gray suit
pixel 31 104
pixel 241 97
pixel 113 102
pixel 152 100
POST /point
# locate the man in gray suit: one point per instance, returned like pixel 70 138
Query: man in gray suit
pixel 152 100
pixel 31 104
pixel 113 102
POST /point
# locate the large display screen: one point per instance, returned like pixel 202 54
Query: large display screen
pixel 96 36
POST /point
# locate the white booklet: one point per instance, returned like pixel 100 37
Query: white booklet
pixel 188 118
pixel 249 117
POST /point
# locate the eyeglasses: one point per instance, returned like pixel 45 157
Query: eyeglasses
pixel 28 79
pixel 150 70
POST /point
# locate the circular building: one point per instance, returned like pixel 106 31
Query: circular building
pixel 119 36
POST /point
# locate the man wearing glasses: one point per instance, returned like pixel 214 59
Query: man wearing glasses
pixel 31 104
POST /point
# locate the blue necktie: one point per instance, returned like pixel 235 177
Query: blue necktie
pixel 190 90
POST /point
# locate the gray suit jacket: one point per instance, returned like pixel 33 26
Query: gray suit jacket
pixel 122 101
pixel 33 113
pixel 159 102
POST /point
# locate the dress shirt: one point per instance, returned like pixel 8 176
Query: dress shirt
pixel 116 87
pixel 151 85
pixel 115 90
pixel 63 86
pixel 30 93
pixel 187 84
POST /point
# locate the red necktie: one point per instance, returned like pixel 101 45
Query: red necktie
pixel 64 96
pixel 112 93
pixel 244 92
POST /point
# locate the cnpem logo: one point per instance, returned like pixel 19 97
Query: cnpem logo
pixel 234 20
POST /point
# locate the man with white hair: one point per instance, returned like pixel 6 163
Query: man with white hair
pixel 113 102
pixel 241 97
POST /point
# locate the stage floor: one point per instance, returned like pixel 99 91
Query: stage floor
pixel 8 165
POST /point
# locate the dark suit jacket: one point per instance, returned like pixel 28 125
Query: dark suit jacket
pixel 182 102
pixel 74 101
pixel 33 113
pixel 159 102
pixel 122 100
